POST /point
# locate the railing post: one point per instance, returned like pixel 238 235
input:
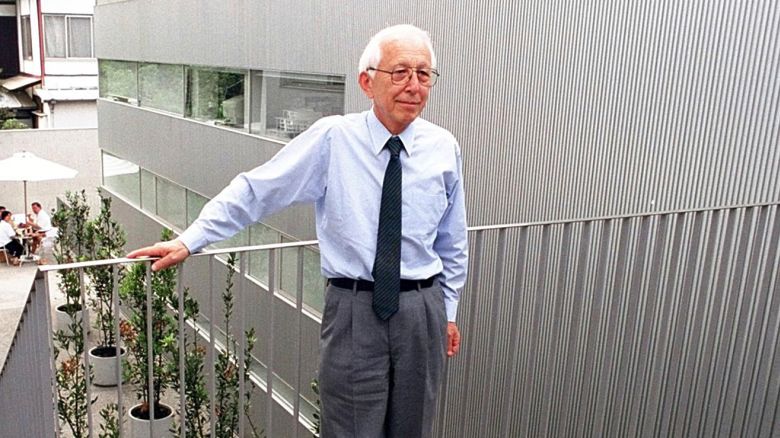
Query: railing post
pixel 150 347
pixel 118 345
pixel 182 354
pixel 85 340
pixel 241 341
pixel 298 330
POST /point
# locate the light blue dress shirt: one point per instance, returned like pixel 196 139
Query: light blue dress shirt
pixel 339 165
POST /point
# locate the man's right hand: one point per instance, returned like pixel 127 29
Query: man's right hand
pixel 171 253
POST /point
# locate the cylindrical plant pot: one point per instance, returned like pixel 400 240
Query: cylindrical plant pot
pixel 62 318
pixel 163 421
pixel 103 361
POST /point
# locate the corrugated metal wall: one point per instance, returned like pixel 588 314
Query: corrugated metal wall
pixel 657 325
pixel 565 109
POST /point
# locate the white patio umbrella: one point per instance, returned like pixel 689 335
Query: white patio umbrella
pixel 25 166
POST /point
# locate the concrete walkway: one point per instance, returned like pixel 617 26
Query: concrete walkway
pixel 15 285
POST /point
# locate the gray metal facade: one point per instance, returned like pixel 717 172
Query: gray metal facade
pixel 659 325
pixel 564 109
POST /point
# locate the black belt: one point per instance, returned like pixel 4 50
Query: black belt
pixel 365 285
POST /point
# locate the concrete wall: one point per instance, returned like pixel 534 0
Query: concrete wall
pixel 75 148
pixel 75 114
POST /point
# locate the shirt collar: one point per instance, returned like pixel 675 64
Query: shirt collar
pixel 380 134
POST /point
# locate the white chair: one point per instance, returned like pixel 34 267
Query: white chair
pixel 47 244
pixel 5 256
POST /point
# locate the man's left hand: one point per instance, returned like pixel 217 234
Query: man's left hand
pixel 453 339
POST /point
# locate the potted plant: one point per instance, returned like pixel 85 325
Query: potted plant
pixel 70 372
pixel 227 371
pixel 163 335
pixel 70 245
pixel 106 240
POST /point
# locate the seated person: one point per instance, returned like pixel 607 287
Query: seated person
pixel 8 238
pixel 37 225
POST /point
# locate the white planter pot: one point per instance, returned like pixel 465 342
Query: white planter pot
pixel 103 361
pixel 62 320
pixel 139 427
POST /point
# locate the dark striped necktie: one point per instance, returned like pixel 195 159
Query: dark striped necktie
pixel 387 265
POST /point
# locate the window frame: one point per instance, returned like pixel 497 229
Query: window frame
pixel 67 18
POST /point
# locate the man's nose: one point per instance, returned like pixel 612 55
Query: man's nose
pixel 414 83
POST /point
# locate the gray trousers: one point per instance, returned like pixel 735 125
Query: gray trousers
pixel 381 378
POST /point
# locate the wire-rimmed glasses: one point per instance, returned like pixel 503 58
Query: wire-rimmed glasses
pixel 400 75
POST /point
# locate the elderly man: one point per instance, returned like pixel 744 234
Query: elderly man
pixel 391 222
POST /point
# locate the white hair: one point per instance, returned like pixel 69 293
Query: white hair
pixel 372 54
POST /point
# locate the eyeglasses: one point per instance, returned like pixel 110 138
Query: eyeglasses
pixel 400 75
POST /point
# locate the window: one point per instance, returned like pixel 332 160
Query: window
pixel 54 31
pixel 285 104
pixel 118 81
pixel 258 262
pixel 148 192
pixel 171 202
pixel 313 283
pixel 123 177
pixel 161 86
pixel 216 96
pixel 80 37
pixel 67 36
pixel 26 37
pixel 195 204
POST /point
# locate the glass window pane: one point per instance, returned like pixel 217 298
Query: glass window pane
pixel 171 203
pixel 26 37
pixel 148 192
pixel 118 80
pixel 79 37
pixel 258 261
pixel 195 204
pixel 161 87
pixel 313 283
pixel 122 177
pixel 285 104
pixel 216 96
pixel 54 36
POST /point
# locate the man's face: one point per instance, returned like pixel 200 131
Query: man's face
pixel 396 106
pixel 36 209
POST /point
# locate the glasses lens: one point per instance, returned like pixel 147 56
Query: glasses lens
pixel 400 75
pixel 424 76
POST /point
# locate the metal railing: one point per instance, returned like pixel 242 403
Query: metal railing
pixel 658 325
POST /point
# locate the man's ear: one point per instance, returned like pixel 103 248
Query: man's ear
pixel 366 83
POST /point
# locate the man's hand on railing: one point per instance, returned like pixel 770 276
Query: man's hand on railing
pixel 171 253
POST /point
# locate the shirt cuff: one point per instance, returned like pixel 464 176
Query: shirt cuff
pixel 193 239
pixel 452 310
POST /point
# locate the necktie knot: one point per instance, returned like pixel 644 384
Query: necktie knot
pixel 394 145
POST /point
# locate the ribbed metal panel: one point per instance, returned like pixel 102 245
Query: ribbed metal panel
pixel 582 109
pixel 657 325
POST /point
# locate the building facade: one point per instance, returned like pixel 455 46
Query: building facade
pixel 56 62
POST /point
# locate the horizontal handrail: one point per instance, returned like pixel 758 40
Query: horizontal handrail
pixel 240 249
pixel 207 252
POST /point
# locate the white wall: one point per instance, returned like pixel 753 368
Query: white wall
pixel 85 7
pixel 74 114
pixel 75 148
